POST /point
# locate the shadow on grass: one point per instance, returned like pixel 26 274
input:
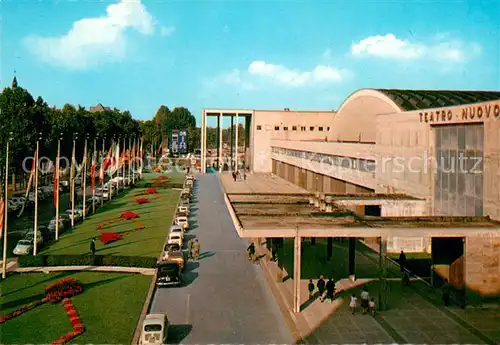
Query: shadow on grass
pixel 56 277
pixel 177 333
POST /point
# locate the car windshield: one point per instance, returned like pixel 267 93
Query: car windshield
pixel 152 328
pixel 24 243
pixel 174 237
pixel 168 269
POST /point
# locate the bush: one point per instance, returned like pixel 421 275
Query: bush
pixel 31 261
pixel 129 261
pixel 70 260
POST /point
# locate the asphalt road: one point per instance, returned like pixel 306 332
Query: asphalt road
pixel 226 298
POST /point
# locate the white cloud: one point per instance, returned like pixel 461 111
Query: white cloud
pixel 294 77
pixel 391 47
pixel 232 78
pixel 167 30
pixel 94 40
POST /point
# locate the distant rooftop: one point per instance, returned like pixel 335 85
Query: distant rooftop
pixel 99 107
pixel 409 100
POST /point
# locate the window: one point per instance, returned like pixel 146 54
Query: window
pixel 285 128
pixel 259 127
pixel 320 129
pixel 303 128
pixel 276 128
pixel 311 128
pixel 294 128
pixel 327 129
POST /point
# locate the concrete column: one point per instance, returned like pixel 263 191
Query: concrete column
pixel 218 140
pixel 231 136
pixel 236 161
pixel 296 273
pixel 329 248
pixel 221 151
pixel 382 267
pixel 352 258
pixel 203 160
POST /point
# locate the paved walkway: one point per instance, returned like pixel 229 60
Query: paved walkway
pixel 259 183
pixel 226 298
pixel 144 271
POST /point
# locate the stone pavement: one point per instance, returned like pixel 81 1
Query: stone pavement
pixel 410 318
pixel 258 183
pixel 225 299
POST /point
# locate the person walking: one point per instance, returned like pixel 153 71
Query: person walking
pixel 190 249
pixel 196 250
pixel 446 290
pixel 92 246
pixel 310 288
pixel 330 289
pixel 321 287
pixel 251 251
pixel 402 261
pixel 371 304
pixel 365 297
pixel 353 303
pixel 234 176
pixel 244 175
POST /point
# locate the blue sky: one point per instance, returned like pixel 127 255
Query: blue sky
pixel 244 54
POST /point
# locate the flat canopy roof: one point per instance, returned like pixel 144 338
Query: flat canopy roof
pixel 283 215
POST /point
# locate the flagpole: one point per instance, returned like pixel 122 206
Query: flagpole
pixel 129 156
pixel 102 167
pixel 57 186
pixel 133 161
pixel 110 189
pixel 123 161
pixel 35 236
pixel 85 178
pixel 141 153
pixel 6 209
pixel 72 178
pixel 93 175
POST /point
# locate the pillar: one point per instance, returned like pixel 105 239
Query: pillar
pixel 329 248
pixel 382 273
pixel 296 273
pixel 352 258
pixel 231 143
pixel 247 142
pixel 203 139
pixel 221 151
pixel 236 142
pixel 218 140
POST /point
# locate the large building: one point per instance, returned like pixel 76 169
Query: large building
pixel 439 148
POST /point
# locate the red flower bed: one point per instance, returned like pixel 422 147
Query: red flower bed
pixel 151 191
pixel 23 310
pixel 63 288
pixel 129 215
pixel 162 177
pixel 142 200
pixel 108 237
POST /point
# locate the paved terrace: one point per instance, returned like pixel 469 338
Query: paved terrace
pixel 259 183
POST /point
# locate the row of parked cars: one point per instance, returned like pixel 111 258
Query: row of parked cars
pixel 170 265
pixel 47 232
pixel 172 260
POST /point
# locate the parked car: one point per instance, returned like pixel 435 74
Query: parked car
pixel 182 221
pixel 30 236
pixel 154 330
pixel 174 239
pixel 23 247
pixel 183 210
pixel 73 216
pixel 176 229
pixel 169 274
pixel 52 224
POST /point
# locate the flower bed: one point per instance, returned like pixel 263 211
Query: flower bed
pixel 23 310
pixel 151 191
pixel 76 323
pixel 63 288
pixel 129 215
pixel 108 237
pixel 142 200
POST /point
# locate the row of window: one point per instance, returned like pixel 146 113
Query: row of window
pixel 366 165
pixel 296 128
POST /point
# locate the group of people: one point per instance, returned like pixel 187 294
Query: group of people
pixel 194 249
pixel 327 291
pixel 236 173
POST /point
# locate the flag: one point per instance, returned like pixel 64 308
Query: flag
pixel 107 162
pixel 2 213
pixel 115 160
pixel 56 184
pixel 30 182
pixel 92 173
pixel 159 149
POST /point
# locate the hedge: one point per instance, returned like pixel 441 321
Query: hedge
pixel 86 260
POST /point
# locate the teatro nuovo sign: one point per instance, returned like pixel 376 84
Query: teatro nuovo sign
pixel 471 113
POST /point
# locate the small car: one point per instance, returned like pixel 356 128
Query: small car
pixel 183 209
pixel 174 239
pixel 182 221
pixel 178 230
pixel 30 236
pixel 154 330
pixel 23 247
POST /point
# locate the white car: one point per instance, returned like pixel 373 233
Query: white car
pixel 30 236
pixel 183 209
pixel 177 230
pixel 23 247
pixel 182 221
pixel 154 330
pixel 53 222
pixel 76 216
pixel 174 238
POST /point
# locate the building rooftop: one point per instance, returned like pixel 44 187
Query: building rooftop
pixel 409 100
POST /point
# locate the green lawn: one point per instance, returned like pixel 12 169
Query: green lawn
pixel 109 308
pixel 155 215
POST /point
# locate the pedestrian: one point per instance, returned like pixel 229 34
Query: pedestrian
pixel 310 288
pixel 244 175
pixel 353 303
pixel 365 297
pixel 371 304
pixel 321 287
pixel 446 289
pixel 402 261
pixel 406 278
pixel 274 252
pixel 190 249
pixel 92 246
pixel 251 251
pixel 196 249
pixel 234 176
pixel 330 289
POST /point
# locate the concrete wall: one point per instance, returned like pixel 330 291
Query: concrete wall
pixel 482 264
pixel 263 127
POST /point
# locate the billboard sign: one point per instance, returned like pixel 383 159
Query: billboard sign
pixel 178 141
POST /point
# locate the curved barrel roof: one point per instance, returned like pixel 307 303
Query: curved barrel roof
pixel 409 100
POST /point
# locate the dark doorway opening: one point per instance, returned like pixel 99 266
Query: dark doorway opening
pixel 373 210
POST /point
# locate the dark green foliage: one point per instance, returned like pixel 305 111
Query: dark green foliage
pixel 86 260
